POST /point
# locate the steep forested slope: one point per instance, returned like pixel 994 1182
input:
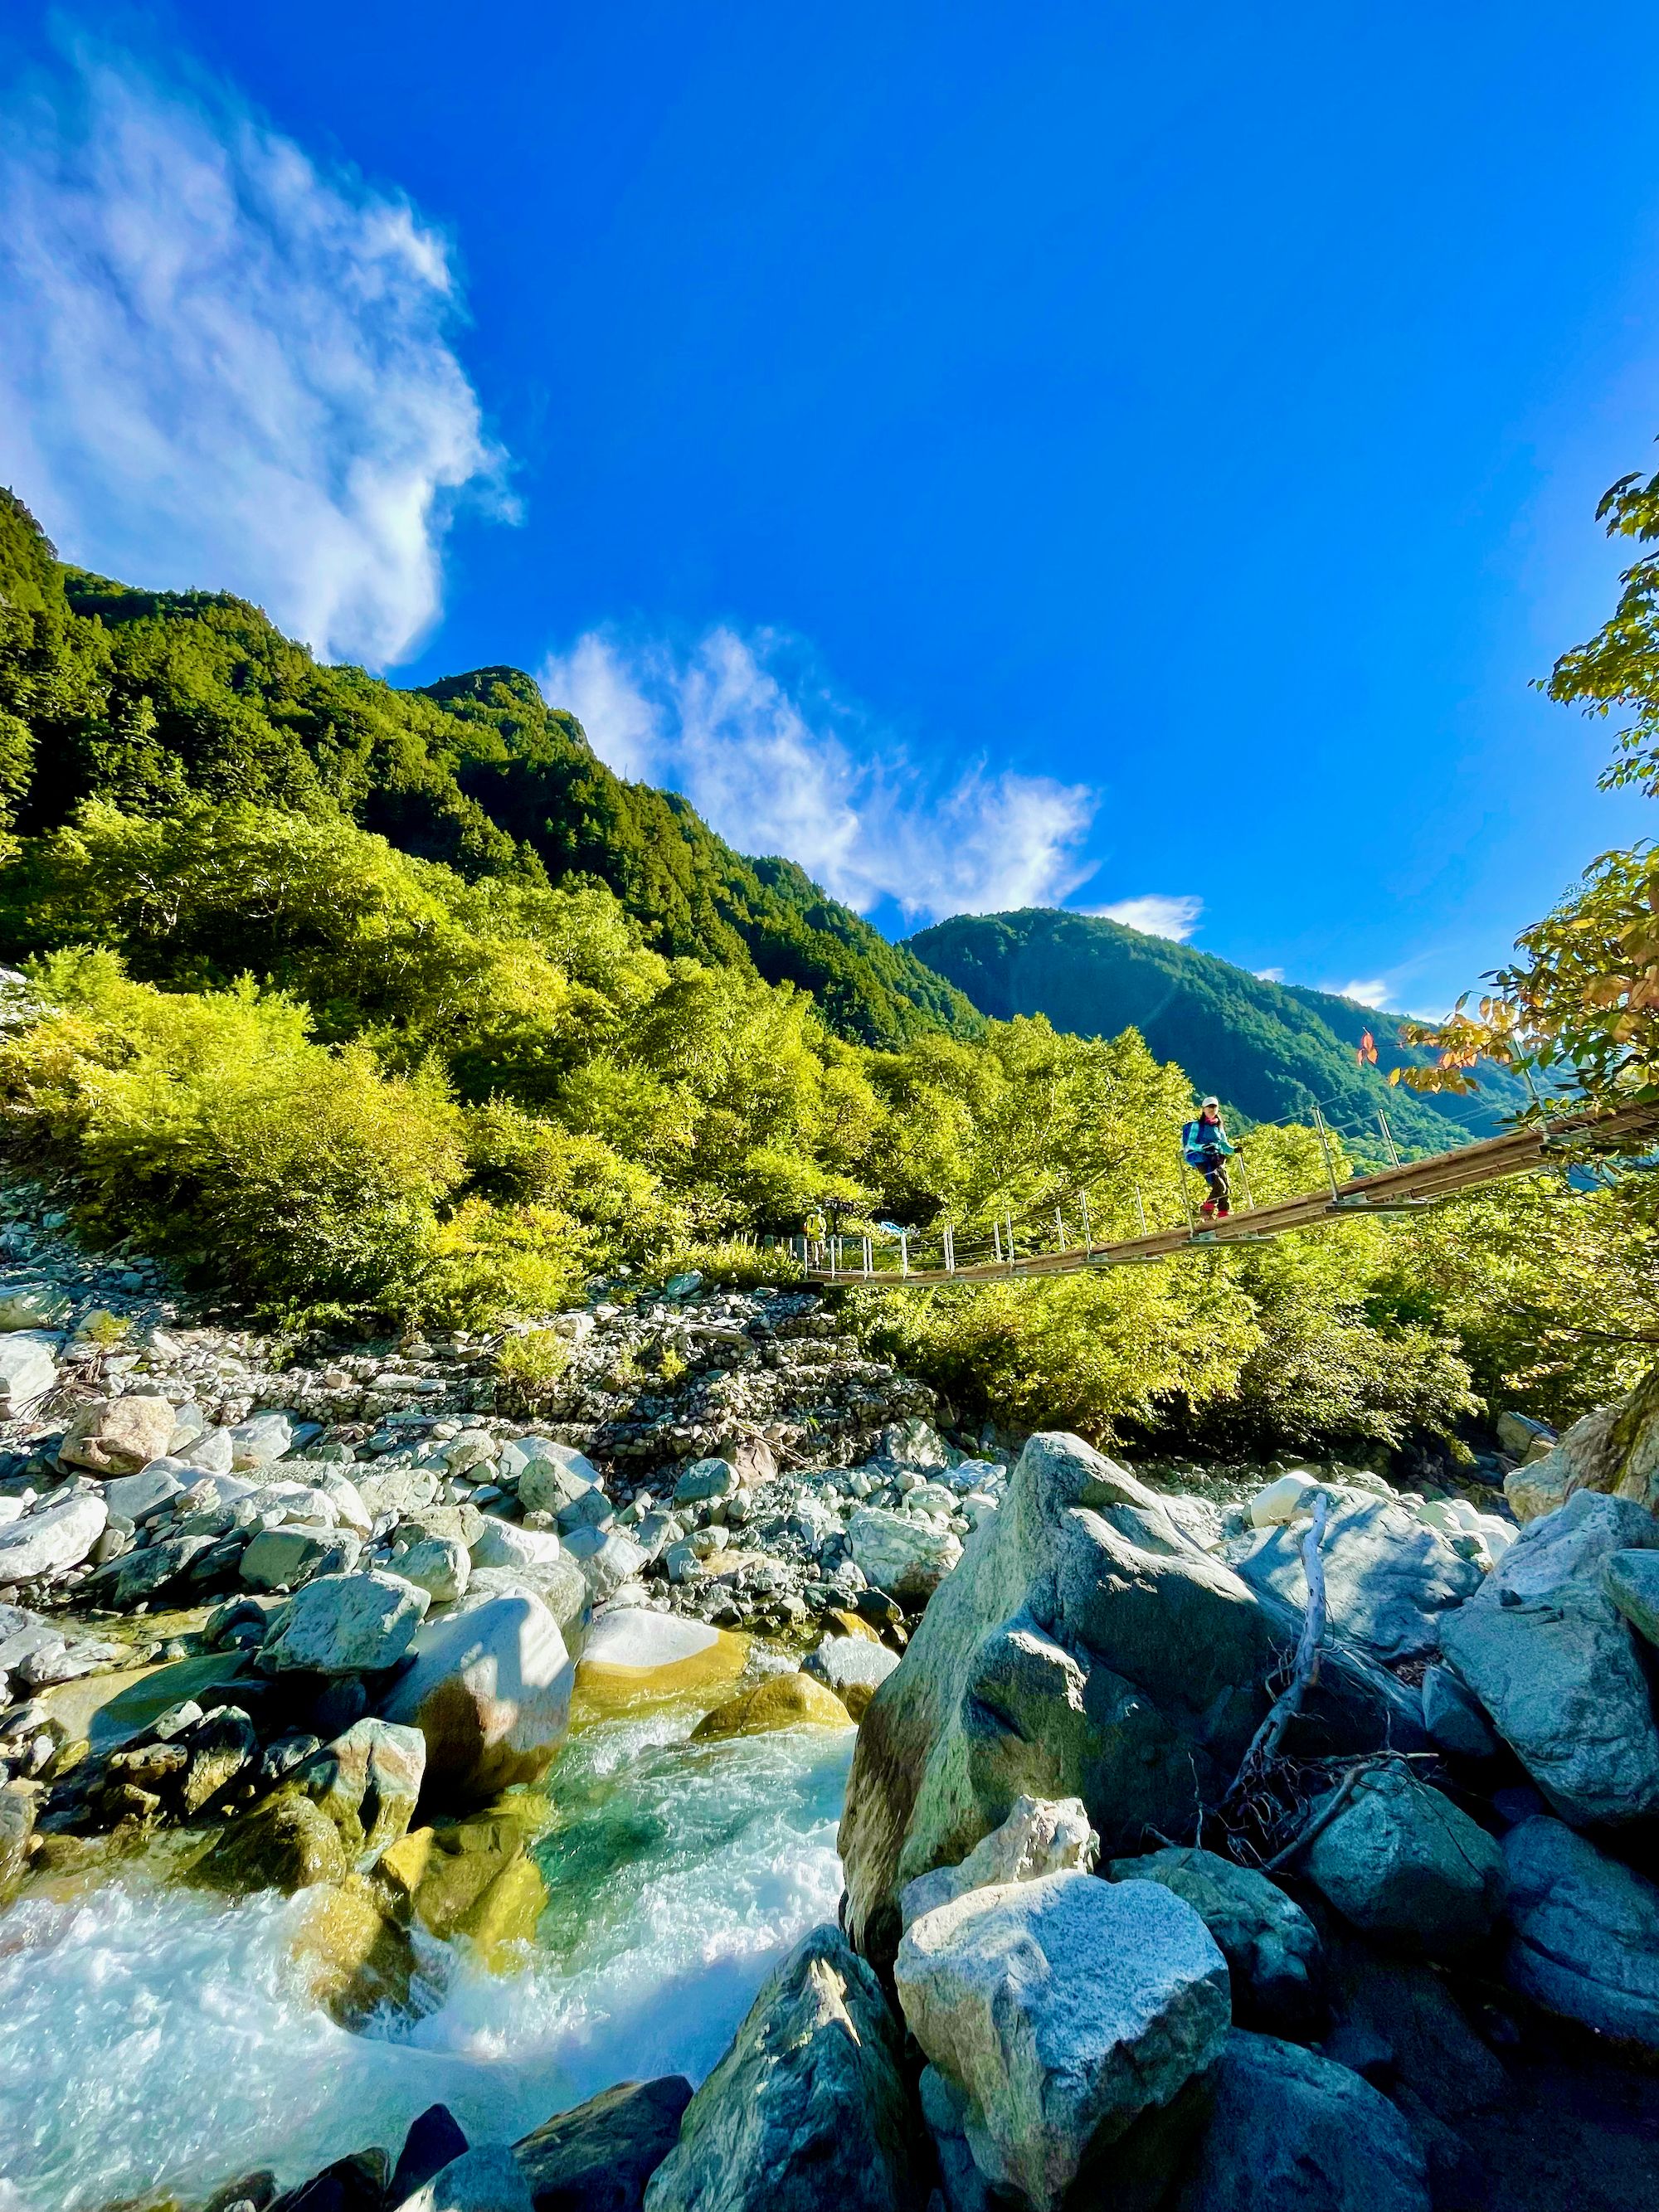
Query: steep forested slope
pixel 1270 1049
pixel 144 697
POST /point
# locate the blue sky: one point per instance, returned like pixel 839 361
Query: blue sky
pixel 999 455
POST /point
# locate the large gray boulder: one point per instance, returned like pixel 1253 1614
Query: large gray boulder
pixel 808 2108
pixel 1555 1663
pixel 1062 2010
pixel 283 1558
pixel 29 1369
pixel 1586 1940
pixel 599 2156
pixel 903 1557
pixel 486 2179
pixel 1291 2132
pixel 343 1625
pixel 117 1436
pixel 1400 1860
pixel 1631 1581
pixel 554 1479
pixel 53 1538
pixel 1085 1647
pixel 1388 1578
pixel 490 1692
pixel 1613 1451
pixel 1271 1947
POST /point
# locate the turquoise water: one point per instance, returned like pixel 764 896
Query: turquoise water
pixel 153 2038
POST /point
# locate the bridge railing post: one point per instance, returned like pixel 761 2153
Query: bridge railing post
pixel 1389 1144
pixel 1186 1195
pixel 1325 1147
pixel 1088 1226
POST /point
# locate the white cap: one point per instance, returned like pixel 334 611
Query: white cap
pixel 1210 1102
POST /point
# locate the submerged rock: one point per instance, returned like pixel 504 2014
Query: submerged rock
pixel 780 1702
pixel 471 1878
pixel 1062 2010
pixel 808 2108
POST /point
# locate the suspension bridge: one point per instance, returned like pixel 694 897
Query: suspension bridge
pixel 1399 1186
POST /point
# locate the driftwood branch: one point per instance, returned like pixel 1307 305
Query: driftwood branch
pixel 1304 1670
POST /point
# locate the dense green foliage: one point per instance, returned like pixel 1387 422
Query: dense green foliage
pixel 1270 1050
pixel 145 699
pixel 365 1003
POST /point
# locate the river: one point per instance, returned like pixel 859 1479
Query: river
pixel 154 2040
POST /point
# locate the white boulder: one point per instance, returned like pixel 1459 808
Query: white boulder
pixel 490 1692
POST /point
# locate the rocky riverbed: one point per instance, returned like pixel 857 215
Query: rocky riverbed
pixel 419 1778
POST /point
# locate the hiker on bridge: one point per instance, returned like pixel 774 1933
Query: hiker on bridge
pixel 1206 1145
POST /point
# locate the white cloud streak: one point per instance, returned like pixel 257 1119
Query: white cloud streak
pixel 1270 974
pixel 1369 990
pixel 223 366
pixel 1156 913
pixel 777 765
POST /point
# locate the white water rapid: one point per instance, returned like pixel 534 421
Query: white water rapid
pixel 154 2038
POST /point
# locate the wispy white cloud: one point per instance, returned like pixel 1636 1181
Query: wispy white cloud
pixel 1270 974
pixel 1156 913
pixel 768 755
pixel 1369 990
pixel 224 365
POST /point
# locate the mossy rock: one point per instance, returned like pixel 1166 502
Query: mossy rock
pixel 474 1878
pixel 783 1701
pixel 355 1957
pixel 851 1623
pixel 286 1843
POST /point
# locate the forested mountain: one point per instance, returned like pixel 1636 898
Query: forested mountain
pixel 1271 1050
pixel 142 698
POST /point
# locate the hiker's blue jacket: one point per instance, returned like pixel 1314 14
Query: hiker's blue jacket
pixel 1200 1136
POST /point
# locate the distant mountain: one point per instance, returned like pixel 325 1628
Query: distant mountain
pixel 145 698
pixel 1269 1050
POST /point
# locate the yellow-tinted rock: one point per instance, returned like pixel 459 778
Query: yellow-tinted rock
pixel 475 1879
pixel 505 1915
pixel 855 1696
pixel 635 1656
pixel 354 1957
pixel 286 1843
pixel 782 1701
pixel 852 1624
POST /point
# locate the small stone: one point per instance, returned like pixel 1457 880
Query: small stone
pixel 439 1565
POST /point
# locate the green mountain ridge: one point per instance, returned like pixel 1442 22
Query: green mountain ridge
pixel 144 698
pixel 1270 1050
